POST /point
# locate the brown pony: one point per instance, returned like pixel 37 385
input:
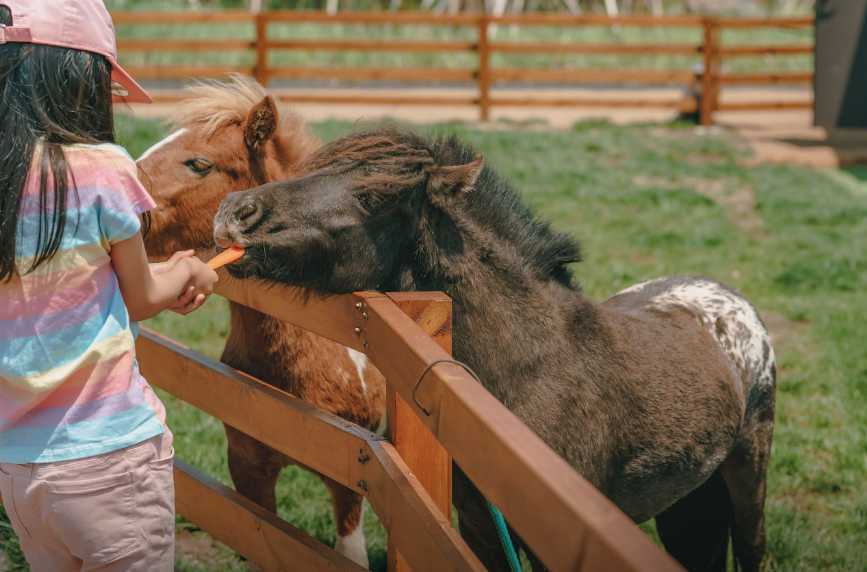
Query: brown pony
pixel 661 396
pixel 229 137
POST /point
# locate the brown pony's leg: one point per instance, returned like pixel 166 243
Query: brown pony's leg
pixel 348 515
pixel 476 525
pixel 695 529
pixel 745 473
pixel 254 468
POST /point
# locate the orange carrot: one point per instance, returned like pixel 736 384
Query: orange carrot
pixel 228 256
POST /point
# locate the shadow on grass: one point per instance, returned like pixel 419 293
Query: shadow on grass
pixel 857 171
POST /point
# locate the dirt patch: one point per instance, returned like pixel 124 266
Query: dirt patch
pixel 739 201
pixel 200 549
pixel 805 145
pixel 4 564
pixel 783 330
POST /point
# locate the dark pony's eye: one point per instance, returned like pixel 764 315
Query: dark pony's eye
pixel 368 201
pixel 199 166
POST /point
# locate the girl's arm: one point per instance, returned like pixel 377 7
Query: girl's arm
pixel 147 293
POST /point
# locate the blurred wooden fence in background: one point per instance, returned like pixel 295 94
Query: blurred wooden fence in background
pixel 702 83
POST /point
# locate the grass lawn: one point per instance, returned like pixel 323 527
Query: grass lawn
pixel 648 201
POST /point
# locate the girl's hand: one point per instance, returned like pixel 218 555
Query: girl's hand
pixel 201 276
pixel 158 268
pixel 189 301
pixel 201 285
pixel 149 289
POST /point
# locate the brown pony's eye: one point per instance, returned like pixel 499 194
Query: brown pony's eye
pixel 199 166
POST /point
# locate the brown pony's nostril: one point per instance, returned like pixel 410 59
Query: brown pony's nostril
pixel 246 211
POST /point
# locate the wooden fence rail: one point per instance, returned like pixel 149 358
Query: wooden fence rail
pixel 569 524
pixel 701 90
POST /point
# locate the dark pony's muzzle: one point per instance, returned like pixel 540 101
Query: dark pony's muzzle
pixel 239 214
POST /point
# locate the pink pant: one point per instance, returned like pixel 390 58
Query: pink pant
pixel 111 513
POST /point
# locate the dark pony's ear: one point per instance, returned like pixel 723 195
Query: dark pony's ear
pixel 261 123
pixel 453 179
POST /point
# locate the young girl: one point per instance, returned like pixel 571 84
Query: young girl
pixel 85 457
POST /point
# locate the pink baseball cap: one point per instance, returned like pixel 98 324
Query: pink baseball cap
pixel 78 24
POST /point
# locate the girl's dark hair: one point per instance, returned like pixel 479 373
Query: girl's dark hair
pixel 49 97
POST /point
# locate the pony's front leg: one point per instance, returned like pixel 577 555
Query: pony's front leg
pixel 476 524
pixel 349 519
pixel 254 468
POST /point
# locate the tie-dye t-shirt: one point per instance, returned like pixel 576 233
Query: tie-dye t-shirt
pixel 69 382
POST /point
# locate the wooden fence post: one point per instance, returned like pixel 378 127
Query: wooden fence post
pixel 260 71
pixel 484 79
pixel 711 72
pixel 421 451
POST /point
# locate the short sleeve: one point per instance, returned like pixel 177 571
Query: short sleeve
pixel 122 198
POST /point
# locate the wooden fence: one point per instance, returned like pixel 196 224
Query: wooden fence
pixel 711 53
pixel 407 478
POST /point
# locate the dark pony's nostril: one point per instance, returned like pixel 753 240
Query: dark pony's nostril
pixel 246 211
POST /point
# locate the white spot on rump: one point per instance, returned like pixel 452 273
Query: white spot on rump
pixel 354 545
pixel 634 288
pixel 360 361
pixel 171 137
pixel 730 319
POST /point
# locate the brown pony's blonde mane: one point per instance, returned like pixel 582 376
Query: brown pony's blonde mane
pixel 214 105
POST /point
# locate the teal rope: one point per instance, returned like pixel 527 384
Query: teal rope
pixel 505 538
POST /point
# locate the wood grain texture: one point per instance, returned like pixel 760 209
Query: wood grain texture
pixel 323 44
pixel 684 104
pixel 414 522
pixel 273 544
pixel 330 445
pixel 589 75
pixel 416 445
pixel 766 78
pixel 592 48
pixel 333 317
pixel 172 17
pixel 710 72
pixel 260 69
pixel 185 72
pixel 374 74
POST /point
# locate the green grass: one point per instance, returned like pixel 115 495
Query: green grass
pixel 647 201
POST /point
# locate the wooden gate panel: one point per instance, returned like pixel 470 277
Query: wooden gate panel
pixel 259 535
pixel 316 439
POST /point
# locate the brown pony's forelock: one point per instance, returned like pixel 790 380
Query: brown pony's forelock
pixel 214 105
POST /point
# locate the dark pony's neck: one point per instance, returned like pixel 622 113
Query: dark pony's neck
pixel 493 216
pixel 507 273
pixel 494 205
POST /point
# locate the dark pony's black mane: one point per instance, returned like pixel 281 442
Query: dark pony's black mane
pixel 494 203
pixel 387 161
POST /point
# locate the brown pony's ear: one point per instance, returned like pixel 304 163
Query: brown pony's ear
pixel 261 122
pixel 453 179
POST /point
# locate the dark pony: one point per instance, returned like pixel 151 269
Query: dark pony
pixel 49 97
pixel 661 396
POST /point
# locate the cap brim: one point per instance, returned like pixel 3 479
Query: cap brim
pixel 134 92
